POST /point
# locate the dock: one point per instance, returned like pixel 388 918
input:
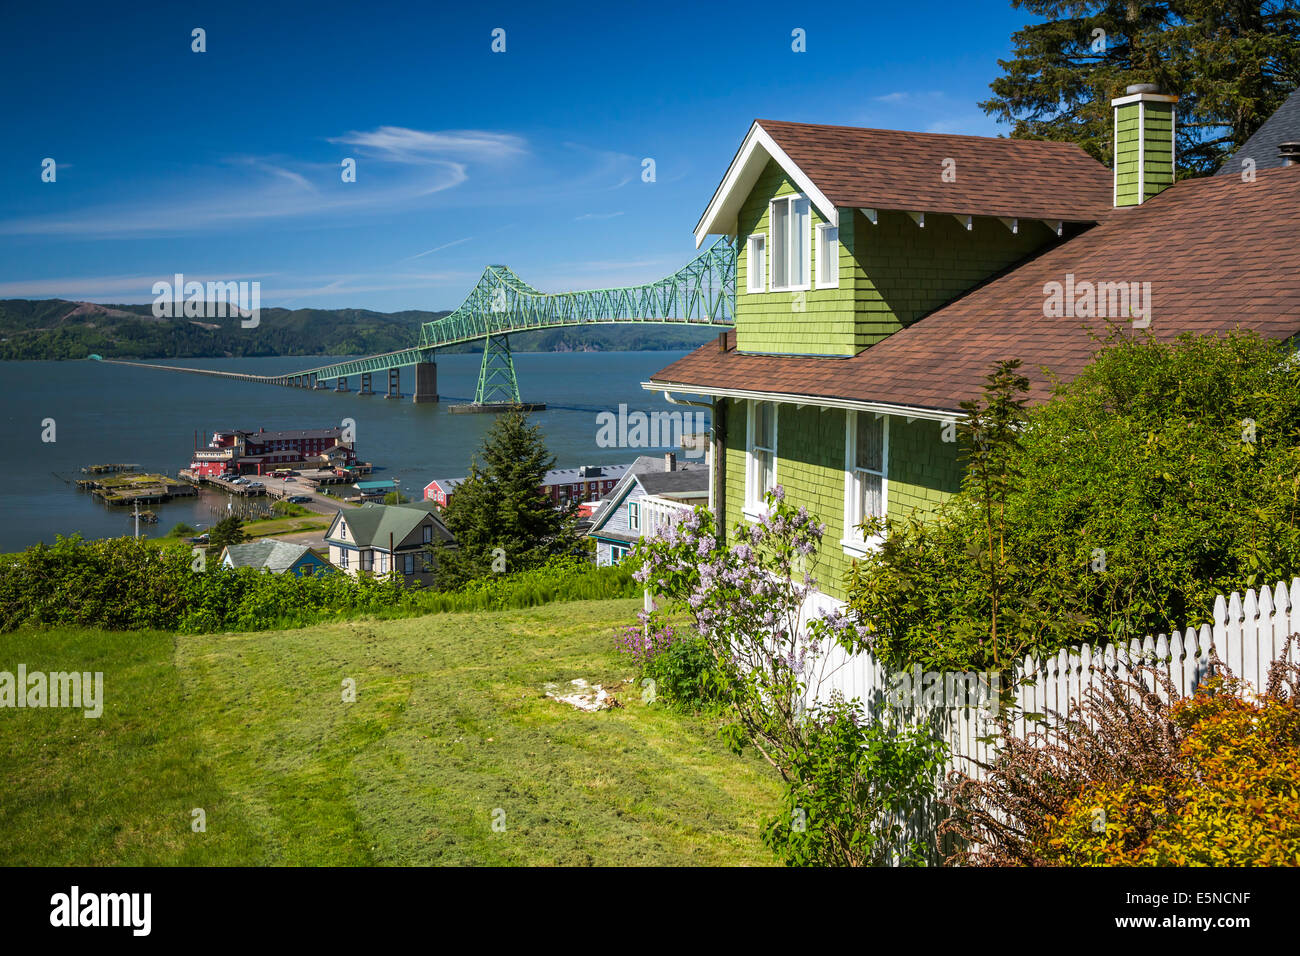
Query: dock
pixel 128 489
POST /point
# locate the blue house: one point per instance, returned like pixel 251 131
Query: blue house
pixel 275 556
pixel 651 494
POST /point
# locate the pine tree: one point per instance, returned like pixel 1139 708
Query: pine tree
pixel 227 531
pixel 501 519
pixel 1231 62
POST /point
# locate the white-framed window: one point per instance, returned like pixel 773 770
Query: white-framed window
pixel 633 516
pixel 367 560
pixel 828 256
pixel 791 241
pixel 866 473
pixel 383 562
pixel 760 477
pixel 408 564
pixel 343 557
pixel 756 264
pixel 617 553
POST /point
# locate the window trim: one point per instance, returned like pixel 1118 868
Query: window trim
pixel 755 507
pixel 807 246
pixel 820 231
pixel 852 542
pixel 634 516
pixel 749 264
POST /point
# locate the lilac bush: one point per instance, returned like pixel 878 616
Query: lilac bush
pixel 747 600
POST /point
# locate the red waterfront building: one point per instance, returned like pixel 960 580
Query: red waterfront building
pixel 260 452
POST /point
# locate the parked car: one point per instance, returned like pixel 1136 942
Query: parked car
pixel 199 538
pixel 255 484
pixel 298 499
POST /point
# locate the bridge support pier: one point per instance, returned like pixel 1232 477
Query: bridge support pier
pixel 341 385
pixel 426 382
pixel 394 383
pixel 365 385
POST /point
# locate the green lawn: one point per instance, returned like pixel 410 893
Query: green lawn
pixel 450 725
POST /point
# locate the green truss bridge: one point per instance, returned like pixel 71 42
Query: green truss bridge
pixel 702 292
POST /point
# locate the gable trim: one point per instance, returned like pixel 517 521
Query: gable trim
pixel 720 216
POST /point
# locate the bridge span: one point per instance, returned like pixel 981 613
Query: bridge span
pixel 702 292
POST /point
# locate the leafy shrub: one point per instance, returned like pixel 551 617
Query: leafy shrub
pixel 181 530
pixel 1129 778
pixel 124 584
pixel 853 787
pixel 1165 474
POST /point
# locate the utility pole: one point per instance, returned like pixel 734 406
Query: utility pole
pixel 137 517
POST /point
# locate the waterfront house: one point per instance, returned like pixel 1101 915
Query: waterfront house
pixel 386 539
pixel 881 274
pixel 261 452
pixel 652 492
pixel 277 557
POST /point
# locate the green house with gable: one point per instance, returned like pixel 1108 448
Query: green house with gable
pixel 881 274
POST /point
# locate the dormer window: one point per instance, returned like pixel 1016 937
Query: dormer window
pixel 791 243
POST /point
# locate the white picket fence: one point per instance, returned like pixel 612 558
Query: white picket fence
pixel 1247 634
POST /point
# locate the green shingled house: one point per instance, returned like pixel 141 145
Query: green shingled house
pixel 882 273
pixel 386 539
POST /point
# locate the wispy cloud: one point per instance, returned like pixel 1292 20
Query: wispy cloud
pixel 257 188
pixel 399 144
pixel 127 288
pixel 588 216
pixel 429 252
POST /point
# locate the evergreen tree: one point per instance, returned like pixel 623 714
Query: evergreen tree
pixel 1231 62
pixel 227 531
pixel 501 519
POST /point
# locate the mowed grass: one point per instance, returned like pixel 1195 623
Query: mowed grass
pixel 450 734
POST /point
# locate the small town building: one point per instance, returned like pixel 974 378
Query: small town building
pixel 653 492
pixel 588 483
pixel 277 557
pixel 387 539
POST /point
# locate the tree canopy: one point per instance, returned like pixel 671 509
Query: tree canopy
pixel 1231 63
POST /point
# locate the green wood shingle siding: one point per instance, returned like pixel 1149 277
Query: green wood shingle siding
pixel 890 274
pixel 1146 130
pixel 923 471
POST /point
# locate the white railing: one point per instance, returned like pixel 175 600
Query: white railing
pixel 658 514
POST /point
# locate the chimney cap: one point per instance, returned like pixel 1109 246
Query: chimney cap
pixel 1290 153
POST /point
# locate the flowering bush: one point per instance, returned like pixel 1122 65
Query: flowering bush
pixel 749 606
pixel 642 644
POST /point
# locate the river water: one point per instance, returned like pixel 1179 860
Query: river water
pixel 114 413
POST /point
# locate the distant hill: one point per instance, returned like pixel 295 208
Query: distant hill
pixel 61 329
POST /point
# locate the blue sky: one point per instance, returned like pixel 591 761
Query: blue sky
pixel 226 164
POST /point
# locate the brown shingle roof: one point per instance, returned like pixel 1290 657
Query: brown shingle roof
pixel 892 169
pixel 1219 254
